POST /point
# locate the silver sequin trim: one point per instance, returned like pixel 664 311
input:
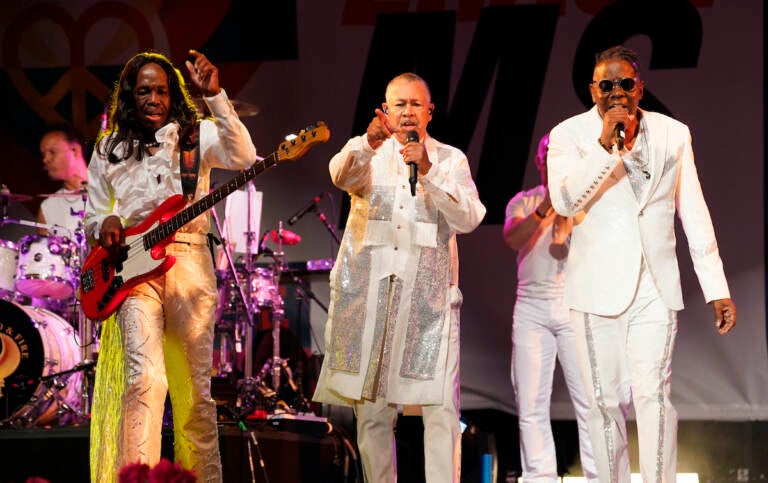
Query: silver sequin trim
pixel 426 317
pixel 662 407
pixel 567 200
pixel 349 308
pixel 388 306
pixel 598 389
pixel 703 252
pixel 381 202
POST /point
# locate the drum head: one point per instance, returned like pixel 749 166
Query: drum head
pixel 21 358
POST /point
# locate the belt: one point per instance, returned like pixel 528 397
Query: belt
pixel 191 238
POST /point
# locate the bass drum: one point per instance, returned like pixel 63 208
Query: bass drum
pixel 35 343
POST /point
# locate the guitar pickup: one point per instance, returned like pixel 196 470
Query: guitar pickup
pixel 86 281
pixel 117 282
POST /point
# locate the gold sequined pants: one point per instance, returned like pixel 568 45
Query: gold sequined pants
pixel 167 326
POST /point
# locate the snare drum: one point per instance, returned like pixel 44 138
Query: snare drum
pixel 9 258
pixel 35 343
pixel 264 290
pixel 46 267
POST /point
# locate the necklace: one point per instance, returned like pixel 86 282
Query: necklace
pixel 639 158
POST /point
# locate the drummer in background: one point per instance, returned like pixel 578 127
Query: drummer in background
pixel 62 148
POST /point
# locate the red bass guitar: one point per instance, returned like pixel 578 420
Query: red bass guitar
pixel 105 282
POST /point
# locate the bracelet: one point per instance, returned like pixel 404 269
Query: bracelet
pixel 608 148
pixel 539 215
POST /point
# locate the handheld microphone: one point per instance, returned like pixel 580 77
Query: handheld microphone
pixel 312 206
pixel 620 135
pixel 412 137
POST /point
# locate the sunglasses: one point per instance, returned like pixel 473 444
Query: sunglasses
pixel 626 84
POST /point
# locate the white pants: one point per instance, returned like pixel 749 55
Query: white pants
pixel 541 334
pixel 626 359
pixel 442 432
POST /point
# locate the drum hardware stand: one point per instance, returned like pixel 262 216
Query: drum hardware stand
pixel 85 328
pixel 54 383
pixel 250 387
pixel 233 269
pixel 246 387
pixel 277 363
pixel 5 194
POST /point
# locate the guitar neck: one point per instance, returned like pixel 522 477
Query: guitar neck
pixel 167 228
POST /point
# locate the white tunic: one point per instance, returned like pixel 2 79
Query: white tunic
pixel 394 291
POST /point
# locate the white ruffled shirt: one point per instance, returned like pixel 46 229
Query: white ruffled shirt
pixel 133 189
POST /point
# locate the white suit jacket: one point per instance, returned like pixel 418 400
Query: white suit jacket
pixel 613 230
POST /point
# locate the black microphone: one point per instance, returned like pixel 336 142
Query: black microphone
pixel 263 242
pixel 620 135
pixel 312 206
pixel 412 137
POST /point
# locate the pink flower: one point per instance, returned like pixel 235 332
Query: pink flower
pixel 164 472
pixel 167 472
pixel 134 473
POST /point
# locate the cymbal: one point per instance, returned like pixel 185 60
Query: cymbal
pixel 14 198
pixel 64 194
pixel 243 109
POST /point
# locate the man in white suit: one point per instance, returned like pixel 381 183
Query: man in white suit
pixel 623 173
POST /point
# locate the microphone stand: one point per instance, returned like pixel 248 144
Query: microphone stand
pixel 329 227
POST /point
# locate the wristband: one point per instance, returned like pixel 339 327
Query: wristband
pixel 608 148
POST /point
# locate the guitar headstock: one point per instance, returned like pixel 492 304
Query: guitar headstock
pixel 295 147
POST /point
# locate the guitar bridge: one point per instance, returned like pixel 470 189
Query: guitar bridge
pixel 86 281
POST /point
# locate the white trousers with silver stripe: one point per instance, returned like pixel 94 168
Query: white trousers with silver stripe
pixel 625 361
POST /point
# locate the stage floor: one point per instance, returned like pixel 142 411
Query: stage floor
pixel 719 451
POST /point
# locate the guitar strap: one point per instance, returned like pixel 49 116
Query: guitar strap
pixel 189 163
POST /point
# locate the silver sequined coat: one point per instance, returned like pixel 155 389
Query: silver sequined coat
pixel 394 286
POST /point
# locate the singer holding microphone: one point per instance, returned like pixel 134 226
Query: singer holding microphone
pixel 392 336
pixel 624 173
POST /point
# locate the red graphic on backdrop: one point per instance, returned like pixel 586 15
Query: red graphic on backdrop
pixel 77 81
pixel 184 27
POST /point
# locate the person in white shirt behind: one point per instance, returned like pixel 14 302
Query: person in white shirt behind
pixel 541 330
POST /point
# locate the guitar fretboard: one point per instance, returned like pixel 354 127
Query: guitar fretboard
pixel 166 229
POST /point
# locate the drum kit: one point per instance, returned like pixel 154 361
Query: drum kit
pixel 47 346
pixel 250 307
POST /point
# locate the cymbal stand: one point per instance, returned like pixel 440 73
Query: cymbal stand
pixel 277 311
pixel 5 194
pixel 85 329
pixel 277 365
pixel 239 290
pixel 248 300
pixel 247 386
